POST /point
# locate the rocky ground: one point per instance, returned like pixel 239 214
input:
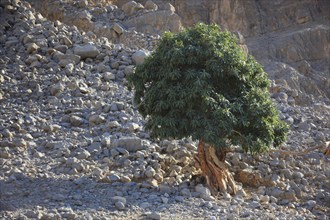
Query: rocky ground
pixel 73 146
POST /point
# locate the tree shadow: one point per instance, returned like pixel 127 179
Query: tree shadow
pixel 80 194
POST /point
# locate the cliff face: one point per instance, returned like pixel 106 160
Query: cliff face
pixel 253 17
pixel 290 38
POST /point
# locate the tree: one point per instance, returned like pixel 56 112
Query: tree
pixel 199 83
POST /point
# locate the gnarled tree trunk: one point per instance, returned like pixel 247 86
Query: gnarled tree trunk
pixel 214 169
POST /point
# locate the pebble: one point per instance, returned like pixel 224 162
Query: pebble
pixel 119 205
pixel 83 154
pixel 76 121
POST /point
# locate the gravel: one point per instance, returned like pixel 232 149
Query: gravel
pixel 73 145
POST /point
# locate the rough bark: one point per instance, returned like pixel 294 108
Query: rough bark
pixel 214 169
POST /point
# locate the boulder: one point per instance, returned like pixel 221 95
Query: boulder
pixel 131 7
pixel 131 144
pixel 150 5
pixel 86 51
pixel 139 56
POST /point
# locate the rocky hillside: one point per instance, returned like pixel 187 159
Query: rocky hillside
pixel 73 146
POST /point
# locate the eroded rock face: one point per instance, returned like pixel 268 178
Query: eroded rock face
pixel 282 31
pixel 156 22
pixel 252 17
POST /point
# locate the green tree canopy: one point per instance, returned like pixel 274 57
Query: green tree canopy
pixel 200 83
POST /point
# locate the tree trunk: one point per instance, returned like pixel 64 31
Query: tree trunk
pixel 214 169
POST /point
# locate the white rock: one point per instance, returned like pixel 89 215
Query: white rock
pixel 133 127
pixel 139 56
pixel 86 51
pixel 56 89
pixel 264 199
pixel 150 172
pixel 170 7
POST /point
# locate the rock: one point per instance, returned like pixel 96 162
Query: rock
pixel 129 70
pixel 169 7
pixel 205 193
pixel 250 177
pixel 113 124
pixel 150 172
pixel 139 56
pixel 264 199
pixel 164 199
pixel 82 3
pixel 133 127
pixel 287 173
pixel 275 192
pixel 311 204
pixel 185 192
pixel 56 89
pixel 118 28
pixel 83 154
pixel 304 126
pixel 131 144
pixel 109 76
pixel 150 5
pixel 297 175
pixel 61 48
pixel 145 205
pixel 96 119
pixel 119 205
pixel 20 143
pixel 64 59
pixel 122 151
pixel 131 7
pixel 32 47
pixel 114 178
pixel 254 205
pixel 289 195
pixel 4 154
pixel 86 51
pixel 114 152
pixel 76 121
pixel 154 215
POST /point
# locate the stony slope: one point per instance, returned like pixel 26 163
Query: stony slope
pixel 72 145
